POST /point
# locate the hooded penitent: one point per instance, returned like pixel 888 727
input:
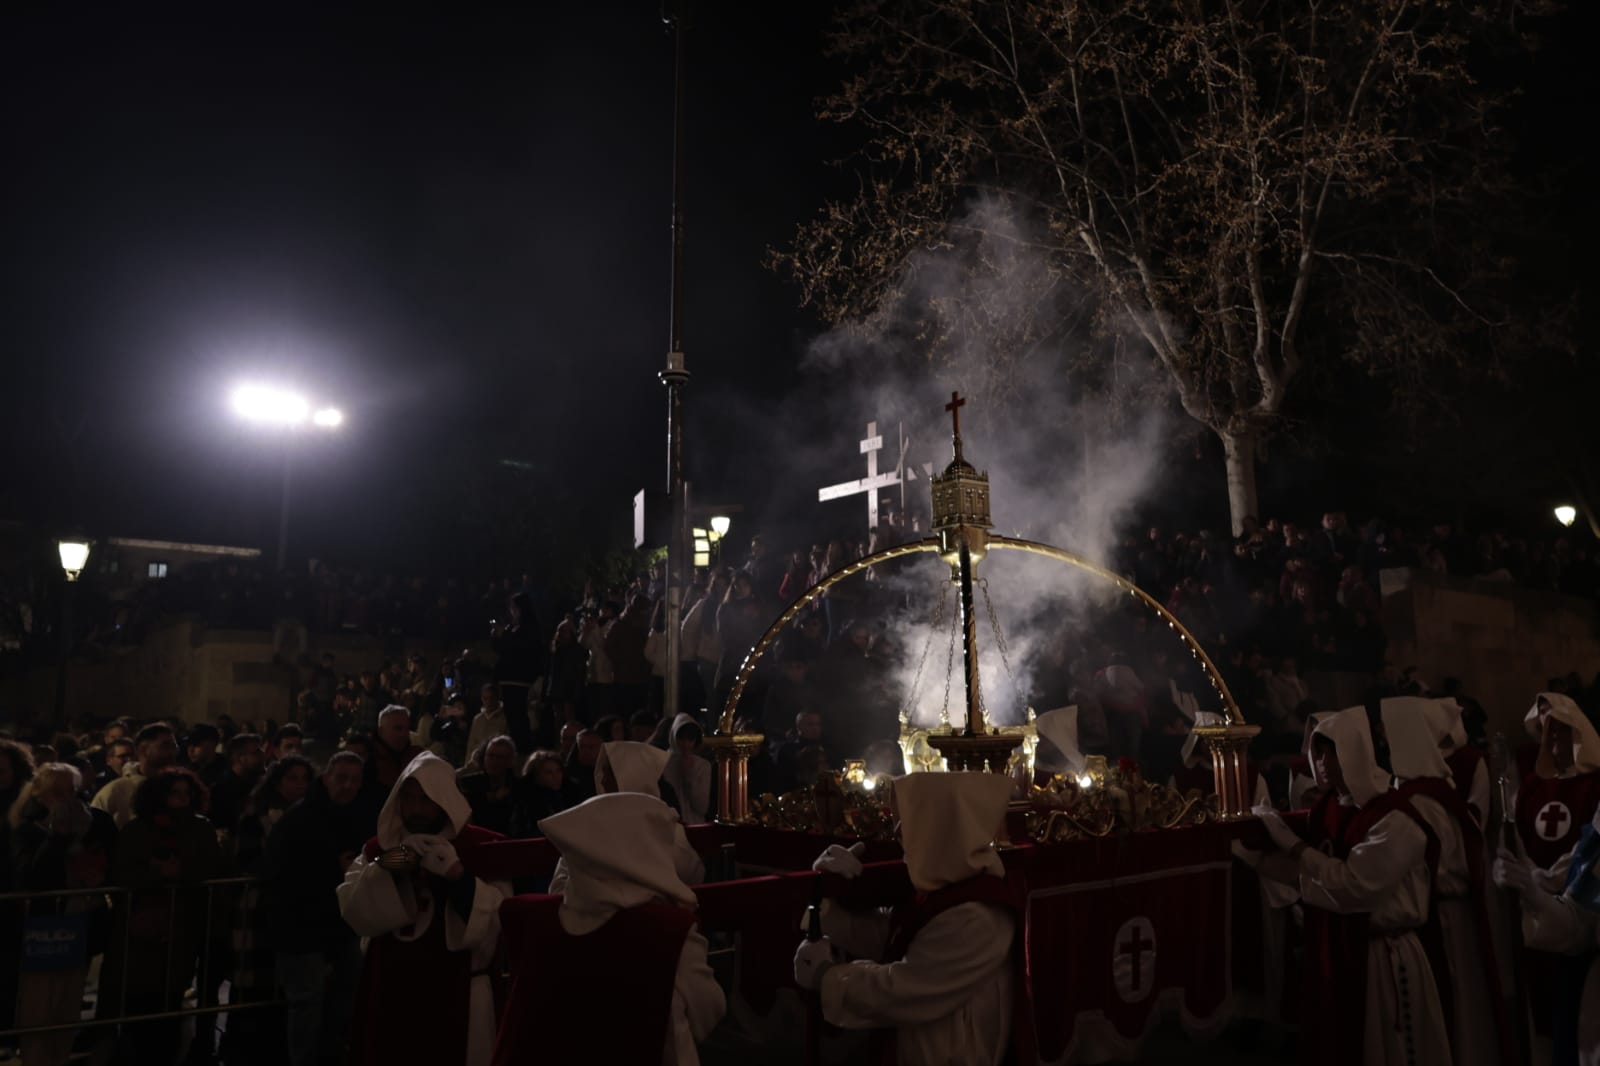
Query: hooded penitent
pixel 620 852
pixel 438 779
pixel 1352 737
pixel 1193 753
pixel 1060 728
pixel 637 767
pixel 1414 727
pixel 948 823
pixel 1585 742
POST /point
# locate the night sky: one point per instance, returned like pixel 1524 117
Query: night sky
pixel 454 227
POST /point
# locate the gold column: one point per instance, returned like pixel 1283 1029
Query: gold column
pixel 1229 745
pixel 733 753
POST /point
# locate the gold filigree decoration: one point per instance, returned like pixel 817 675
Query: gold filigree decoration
pixel 1126 803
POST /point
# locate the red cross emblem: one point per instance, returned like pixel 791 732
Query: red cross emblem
pixel 1553 820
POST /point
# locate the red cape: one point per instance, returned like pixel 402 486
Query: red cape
pixel 422 975
pixel 565 989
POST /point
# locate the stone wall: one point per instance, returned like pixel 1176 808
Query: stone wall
pixel 196 673
pixel 1503 641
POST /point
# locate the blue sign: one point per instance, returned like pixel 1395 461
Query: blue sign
pixel 51 943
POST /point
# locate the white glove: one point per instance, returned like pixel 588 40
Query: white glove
pixel 846 862
pixel 1250 858
pixel 438 855
pixel 1515 874
pixel 1276 827
pixel 812 960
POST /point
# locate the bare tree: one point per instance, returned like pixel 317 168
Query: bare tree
pixel 1260 191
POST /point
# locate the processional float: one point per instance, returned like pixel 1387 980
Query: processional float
pixel 1065 808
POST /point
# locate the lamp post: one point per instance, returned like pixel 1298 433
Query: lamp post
pixel 74 555
pixel 288 412
pixel 1566 514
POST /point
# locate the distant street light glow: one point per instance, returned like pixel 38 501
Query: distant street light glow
pixel 279 407
pixel 328 418
pixel 1566 514
pixel 720 524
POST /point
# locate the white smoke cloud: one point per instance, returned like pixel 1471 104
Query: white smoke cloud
pixel 1069 436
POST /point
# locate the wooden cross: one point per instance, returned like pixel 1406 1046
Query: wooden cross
pixel 874 480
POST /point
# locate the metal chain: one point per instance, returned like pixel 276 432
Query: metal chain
pixel 916 679
pixel 950 664
pixel 994 624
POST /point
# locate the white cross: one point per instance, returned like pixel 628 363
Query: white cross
pixel 874 480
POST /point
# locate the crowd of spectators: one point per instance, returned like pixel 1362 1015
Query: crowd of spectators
pixel 158 808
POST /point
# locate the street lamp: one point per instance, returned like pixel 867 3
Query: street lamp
pixel 1566 514
pixel 720 524
pixel 285 410
pixel 74 554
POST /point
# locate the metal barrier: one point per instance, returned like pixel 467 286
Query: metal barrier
pixel 117 902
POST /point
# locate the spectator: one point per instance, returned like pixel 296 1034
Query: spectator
pixel 581 763
pixel 161 854
pixel 790 694
pixel 289 741
pixel 612 727
pixel 519 663
pixel 318 958
pixel 489 783
pixel 200 747
pixel 157 748
pixel 1286 697
pixel 688 775
pixel 58 843
pixel 740 620
pixel 642 726
pixel 541 791
pixel 625 646
pixel 447 734
pixel 490 721
pixel 392 750
pixel 245 767
pixel 568 665
pixel 114 759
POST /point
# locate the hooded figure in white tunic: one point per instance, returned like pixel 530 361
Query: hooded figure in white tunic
pixel 1414 727
pixel 938 972
pixel 1376 865
pixel 621 853
pixel 431 926
pixel 1060 728
pixel 628 766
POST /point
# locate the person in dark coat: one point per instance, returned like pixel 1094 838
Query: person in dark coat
pixel 232 794
pixel 541 791
pixel 317 957
pixel 489 782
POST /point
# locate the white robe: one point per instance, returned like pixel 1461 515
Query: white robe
pixel 949 999
pixel 691 870
pixel 1472 1021
pixel 1561 926
pixel 1386 877
pixel 375 902
pixel 698 1003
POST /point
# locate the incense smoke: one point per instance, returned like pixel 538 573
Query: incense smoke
pixel 1054 416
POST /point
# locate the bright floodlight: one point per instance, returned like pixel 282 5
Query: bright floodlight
pixel 274 406
pixel 1566 514
pixel 720 524
pixel 74 554
pixel 1085 781
pixel 328 418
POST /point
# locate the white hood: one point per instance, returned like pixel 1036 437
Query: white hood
pixel 637 767
pixel 438 779
pixel 1585 743
pixel 677 724
pixel 1193 753
pixel 1352 736
pixel 948 823
pixel 619 851
pixel 1458 726
pixel 1312 721
pixel 1060 728
pixel 1533 721
pixel 1186 703
pixel 1414 726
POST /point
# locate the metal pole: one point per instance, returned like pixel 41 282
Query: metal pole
pixel 675 377
pixel 283 505
pixel 969 644
pixel 64 653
